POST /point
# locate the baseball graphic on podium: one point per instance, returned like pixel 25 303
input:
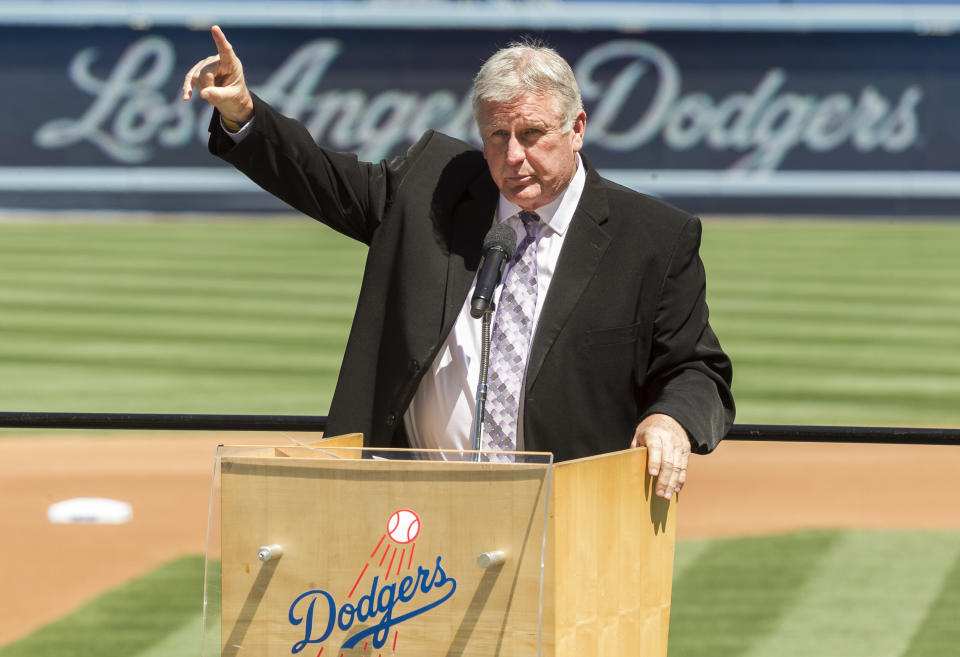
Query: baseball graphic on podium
pixel 403 526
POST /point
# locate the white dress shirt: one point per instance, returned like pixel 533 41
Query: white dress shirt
pixel 440 416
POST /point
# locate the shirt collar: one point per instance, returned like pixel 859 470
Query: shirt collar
pixel 557 214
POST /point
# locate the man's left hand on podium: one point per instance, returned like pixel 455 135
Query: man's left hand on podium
pixel 668 451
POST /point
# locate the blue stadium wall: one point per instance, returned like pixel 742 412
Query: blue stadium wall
pixel 773 119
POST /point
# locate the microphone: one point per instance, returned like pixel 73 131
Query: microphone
pixel 498 248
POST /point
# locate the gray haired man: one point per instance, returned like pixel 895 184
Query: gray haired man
pixel 603 336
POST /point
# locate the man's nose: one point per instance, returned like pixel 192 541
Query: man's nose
pixel 515 151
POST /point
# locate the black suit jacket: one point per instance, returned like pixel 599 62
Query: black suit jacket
pixel 624 329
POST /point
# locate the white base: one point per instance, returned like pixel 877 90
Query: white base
pixel 90 510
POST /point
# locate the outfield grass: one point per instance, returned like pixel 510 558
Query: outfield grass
pixel 839 323
pixel 806 594
pixel 174 317
pixel 826 322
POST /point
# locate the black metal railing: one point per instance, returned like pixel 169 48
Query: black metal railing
pixel 192 422
pixel 162 422
pixel 838 434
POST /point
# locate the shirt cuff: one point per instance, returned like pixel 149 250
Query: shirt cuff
pixel 240 134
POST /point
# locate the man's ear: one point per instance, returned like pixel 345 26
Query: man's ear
pixel 579 129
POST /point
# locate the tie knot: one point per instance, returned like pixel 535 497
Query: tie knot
pixel 529 217
pixel 531 221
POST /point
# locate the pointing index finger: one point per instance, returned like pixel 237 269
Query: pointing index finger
pixel 224 49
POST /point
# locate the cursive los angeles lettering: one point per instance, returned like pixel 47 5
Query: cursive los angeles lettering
pixel 129 115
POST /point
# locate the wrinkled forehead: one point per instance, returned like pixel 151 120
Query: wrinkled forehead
pixel 527 108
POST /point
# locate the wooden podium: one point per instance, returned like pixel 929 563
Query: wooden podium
pixel 331 549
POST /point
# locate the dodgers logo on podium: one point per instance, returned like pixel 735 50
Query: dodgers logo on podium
pixel 390 590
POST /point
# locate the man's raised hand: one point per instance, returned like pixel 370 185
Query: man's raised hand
pixel 219 79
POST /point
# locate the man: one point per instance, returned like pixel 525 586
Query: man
pixel 603 308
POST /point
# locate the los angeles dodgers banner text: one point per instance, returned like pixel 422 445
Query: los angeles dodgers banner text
pixel 732 121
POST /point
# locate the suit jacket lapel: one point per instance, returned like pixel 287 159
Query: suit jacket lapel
pixel 583 247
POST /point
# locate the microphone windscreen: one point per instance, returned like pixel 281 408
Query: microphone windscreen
pixel 503 237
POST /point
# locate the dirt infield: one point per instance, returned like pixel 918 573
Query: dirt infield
pixel 741 489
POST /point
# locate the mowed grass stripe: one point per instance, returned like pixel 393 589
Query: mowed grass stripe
pixel 869 359
pixel 295 284
pixel 737 590
pixel 852 308
pixel 278 266
pixel 828 312
pixel 934 289
pixel 200 303
pixel 939 634
pixel 774 402
pixel 746 251
pixel 254 236
pixel 185 641
pixel 113 354
pixel 852 412
pixel 807 378
pixel 686 554
pixel 197 313
pixel 786 239
pixel 55 387
pixel 124 621
pixel 761 329
pixel 165 326
pixel 866 597
pixel 250 250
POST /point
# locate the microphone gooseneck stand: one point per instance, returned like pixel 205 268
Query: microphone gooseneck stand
pixel 479 410
pixel 498 248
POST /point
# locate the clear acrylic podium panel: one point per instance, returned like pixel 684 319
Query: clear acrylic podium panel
pixel 319 551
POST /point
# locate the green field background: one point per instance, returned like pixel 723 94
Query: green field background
pixel 827 322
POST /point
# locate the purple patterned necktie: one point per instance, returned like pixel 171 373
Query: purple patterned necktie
pixel 510 342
